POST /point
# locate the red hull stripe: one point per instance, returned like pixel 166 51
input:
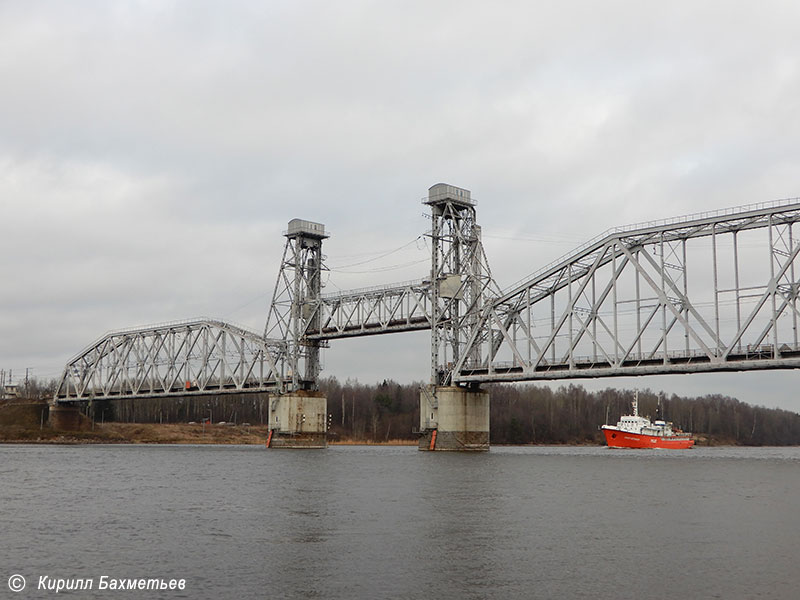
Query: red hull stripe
pixel 624 439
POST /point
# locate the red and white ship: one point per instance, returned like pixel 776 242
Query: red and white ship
pixel 634 431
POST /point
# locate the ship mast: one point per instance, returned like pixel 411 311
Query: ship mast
pixel 636 403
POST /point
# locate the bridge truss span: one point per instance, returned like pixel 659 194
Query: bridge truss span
pixel 706 293
pixel 198 356
pixel 382 309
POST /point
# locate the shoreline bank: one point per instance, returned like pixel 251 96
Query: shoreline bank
pixel 161 433
pixel 209 434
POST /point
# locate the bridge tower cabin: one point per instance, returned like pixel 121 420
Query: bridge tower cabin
pixel 454 417
pixel 297 416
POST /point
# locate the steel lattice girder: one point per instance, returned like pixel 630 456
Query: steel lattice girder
pixel 651 300
pixel 295 300
pixel 387 309
pixel 188 357
pixel 462 281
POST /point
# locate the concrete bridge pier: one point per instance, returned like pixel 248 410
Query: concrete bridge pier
pixel 65 417
pixel 454 419
pixel 298 420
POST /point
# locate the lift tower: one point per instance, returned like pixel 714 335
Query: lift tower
pixel 453 417
pixel 298 411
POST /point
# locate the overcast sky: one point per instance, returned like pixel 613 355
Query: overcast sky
pixel 152 153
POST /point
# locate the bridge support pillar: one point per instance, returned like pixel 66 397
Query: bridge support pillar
pixel 298 420
pixel 454 419
pixel 65 417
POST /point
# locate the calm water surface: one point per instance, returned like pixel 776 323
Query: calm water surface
pixel 378 522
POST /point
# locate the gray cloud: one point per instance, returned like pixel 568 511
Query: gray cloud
pixel 151 153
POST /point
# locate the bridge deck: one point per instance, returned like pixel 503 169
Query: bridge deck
pixel 676 363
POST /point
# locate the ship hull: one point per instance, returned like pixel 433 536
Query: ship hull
pixel 616 438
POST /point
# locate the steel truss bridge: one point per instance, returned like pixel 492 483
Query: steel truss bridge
pixel 701 293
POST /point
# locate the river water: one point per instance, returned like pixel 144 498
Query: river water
pixel 393 522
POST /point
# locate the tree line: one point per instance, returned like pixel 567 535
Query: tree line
pixel 571 414
pixel 532 414
pixel 520 414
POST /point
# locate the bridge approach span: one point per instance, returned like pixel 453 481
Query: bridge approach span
pixel 198 356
